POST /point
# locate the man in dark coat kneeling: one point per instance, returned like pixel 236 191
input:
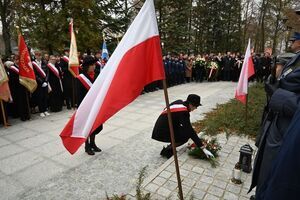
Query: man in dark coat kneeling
pixel 183 129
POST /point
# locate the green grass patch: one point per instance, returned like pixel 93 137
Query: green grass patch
pixel 230 117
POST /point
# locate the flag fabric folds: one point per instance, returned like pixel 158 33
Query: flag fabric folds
pixel 26 72
pixel 246 72
pixel 136 62
pixel 4 87
pixel 73 55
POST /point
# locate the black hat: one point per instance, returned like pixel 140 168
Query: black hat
pixel 88 61
pixel 194 100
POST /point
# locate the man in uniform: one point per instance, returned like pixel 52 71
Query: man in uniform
pixel 41 93
pixel 67 79
pixel 284 101
pixel 183 129
pixel 227 67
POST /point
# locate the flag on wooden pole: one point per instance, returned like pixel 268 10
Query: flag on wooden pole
pixel 73 55
pixel 246 72
pixel 26 72
pixel 121 82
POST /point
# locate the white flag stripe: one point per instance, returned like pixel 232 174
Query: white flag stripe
pixel 242 87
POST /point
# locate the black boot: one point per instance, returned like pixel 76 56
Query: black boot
pixel 88 148
pixel 167 152
pixel 93 144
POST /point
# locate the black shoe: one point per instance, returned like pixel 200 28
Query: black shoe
pixel 95 148
pixel 166 152
pixel 90 152
pixel 163 151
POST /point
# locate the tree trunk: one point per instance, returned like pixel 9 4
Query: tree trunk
pixel 246 23
pixel 5 27
pixel 278 16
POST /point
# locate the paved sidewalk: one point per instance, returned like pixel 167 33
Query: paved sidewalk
pixel 35 165
pixel 199 179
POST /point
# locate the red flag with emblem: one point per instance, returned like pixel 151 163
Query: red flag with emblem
pixel 26 75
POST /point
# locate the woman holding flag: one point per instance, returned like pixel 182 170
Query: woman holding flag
pixel 85 81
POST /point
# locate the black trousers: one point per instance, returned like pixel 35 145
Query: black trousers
pixel 90 141
pixel 42 99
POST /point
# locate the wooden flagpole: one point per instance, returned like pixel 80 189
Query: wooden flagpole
pixel 73 92
pixel 246 110
pixel 3 114
pixel 172 139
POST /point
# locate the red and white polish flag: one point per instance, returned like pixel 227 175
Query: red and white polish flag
pixel 246 72
pixel 136 62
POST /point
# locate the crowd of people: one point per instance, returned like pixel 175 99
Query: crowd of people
pixel 183 68
pixel 57 87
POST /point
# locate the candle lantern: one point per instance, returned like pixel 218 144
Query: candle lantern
pixel 245 160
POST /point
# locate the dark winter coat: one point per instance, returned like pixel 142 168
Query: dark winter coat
pixel 282 106
pixel 183 129
pixel 283 180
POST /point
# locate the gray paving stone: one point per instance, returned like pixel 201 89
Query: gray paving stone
pixel 35 141
pixel 187 166
pixel 22 135
pixel 4 142
pixel 194 176
pixel 159 180
pixel 197 194
pixel 157 197
pixel 163 192
pixel 198 170
pixel 122 133
pixel 220 184
pixel 230 196
pixel 165 174
pixel 202 185
pixel 70 161
pixel 211 197
pixel 36 174
pixel 171 185
pixel 236 189
pixel 188 182
pixel 244 198
pixel 50 149
pixel 9 150
pixel 184 172
pixel 216 191
pixel 9 188
pixel 18 162
pixel 209 172
pixel 206 179
pixel 151 187
pixel 10 130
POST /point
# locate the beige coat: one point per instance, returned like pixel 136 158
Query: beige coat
pixel 189 68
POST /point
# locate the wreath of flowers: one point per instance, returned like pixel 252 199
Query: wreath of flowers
pixel 211 145
pixel 213 65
